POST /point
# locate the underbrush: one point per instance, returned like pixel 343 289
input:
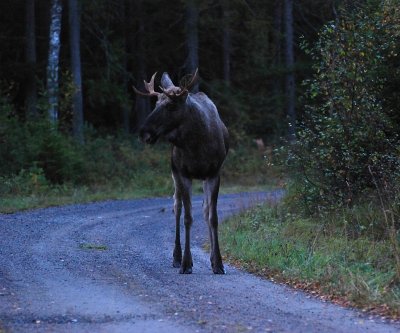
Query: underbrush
pixel 41 165
pixel 318 255
pixel 48 168
pixel 136 172
pixel 247 167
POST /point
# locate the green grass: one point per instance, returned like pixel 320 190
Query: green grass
pixel 315 255
pixel 58 196
pixel 145 184
pixel 126 172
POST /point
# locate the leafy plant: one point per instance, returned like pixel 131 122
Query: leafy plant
pixel 347 128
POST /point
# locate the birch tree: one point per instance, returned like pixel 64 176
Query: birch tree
pixel 53 59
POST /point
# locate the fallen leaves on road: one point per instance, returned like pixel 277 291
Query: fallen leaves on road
pixel 315 289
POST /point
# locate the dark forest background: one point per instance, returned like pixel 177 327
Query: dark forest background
pixel 239 46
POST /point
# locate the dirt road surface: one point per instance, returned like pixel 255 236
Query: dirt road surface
pixel 107 267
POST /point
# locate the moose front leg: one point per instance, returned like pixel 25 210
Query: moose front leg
pixel 183 193
pixel 177 255
pixel 212 190
pixel 187 262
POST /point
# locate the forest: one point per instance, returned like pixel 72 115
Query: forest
pixel 314 82
pixel 242 49
pixel 68 67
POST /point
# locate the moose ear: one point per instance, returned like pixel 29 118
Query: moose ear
pixel 166 81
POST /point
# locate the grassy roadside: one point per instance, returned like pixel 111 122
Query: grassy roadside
pixel 316 257
pixel 131 173
pixel 64 195
pixel 58 196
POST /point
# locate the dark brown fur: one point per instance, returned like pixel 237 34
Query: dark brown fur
pixel 199 146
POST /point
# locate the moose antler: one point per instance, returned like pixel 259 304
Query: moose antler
pixel 184 88
pixel 149 87
pixel 193 79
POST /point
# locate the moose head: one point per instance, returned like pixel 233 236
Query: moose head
pixel 169 109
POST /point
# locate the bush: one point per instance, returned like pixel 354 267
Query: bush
pixel 37 144
pixel 36 156
pixel 348 142
pixel 25 182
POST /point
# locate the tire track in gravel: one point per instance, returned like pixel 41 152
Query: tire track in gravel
pixel 106 267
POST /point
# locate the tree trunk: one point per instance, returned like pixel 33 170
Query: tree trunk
pixel 192 40
pixel 30 56
pixel 277 82
pixel 226 43
pixel 74 39
pixel 126 110
pixel 289 60
pixel 53 59
pixel 142 104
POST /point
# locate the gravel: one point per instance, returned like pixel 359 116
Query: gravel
pixel 107 267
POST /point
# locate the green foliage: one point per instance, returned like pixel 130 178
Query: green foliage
pixel 38 145
pixel 348 140
pixel 44 166
pixel 247 166
pixel 120 161
pixel 25 182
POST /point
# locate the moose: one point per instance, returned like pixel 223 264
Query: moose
pixel 200 143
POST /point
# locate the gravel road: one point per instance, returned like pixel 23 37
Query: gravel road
pixel 107 267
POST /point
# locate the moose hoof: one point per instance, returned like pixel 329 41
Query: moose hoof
pixel 186 267
pixel 218 269
pixel 176 263
pixel 187 270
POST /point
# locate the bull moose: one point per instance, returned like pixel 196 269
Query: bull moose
pixel 199 146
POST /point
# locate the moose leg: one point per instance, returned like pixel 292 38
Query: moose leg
pixel 212 195
pixel 206 210
pixel 187 262
pixel 177 255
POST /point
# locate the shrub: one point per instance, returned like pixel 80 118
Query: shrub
pixel 348 141
pixel 37 143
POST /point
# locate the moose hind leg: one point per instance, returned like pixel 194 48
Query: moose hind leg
pixel 212 193
pixel 177 255
pixel 206 210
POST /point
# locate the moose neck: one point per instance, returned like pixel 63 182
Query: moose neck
pixel 194 127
